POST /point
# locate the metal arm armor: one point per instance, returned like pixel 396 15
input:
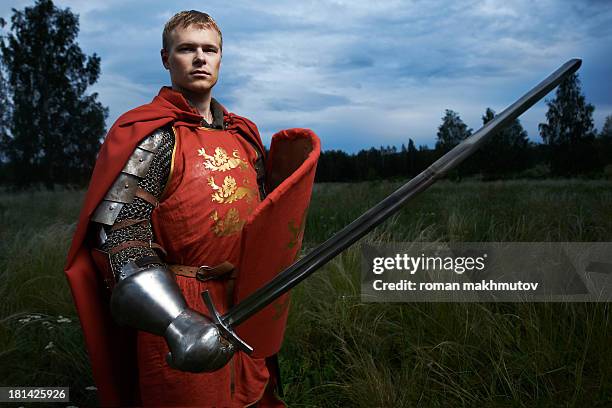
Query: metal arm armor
pixel 125 213
pixel 149 299
pixel 154 154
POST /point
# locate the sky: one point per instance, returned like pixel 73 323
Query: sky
pixel 359 73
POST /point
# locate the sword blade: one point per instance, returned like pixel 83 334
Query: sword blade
pixel 322 254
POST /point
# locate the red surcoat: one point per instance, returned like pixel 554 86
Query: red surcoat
pixel 211 191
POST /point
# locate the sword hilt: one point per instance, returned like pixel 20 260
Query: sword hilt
pixel 223 327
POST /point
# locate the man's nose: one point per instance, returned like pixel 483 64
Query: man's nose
pixel 200 56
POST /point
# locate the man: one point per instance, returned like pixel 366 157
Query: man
pixel 174 188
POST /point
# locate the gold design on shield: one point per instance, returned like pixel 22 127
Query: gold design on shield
pixel 296 232
pixel 221 161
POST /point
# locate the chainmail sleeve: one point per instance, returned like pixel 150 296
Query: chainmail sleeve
pixel 133 223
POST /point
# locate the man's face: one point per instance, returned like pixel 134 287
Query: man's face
pixel 193 59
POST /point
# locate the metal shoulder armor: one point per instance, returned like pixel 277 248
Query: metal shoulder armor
pixel 126 186
pixel 123 229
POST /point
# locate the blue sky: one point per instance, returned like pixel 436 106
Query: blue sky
pixel 360 74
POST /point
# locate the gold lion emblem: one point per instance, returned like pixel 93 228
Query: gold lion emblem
pixel 220 161
pixel 228 192
pixel 230 224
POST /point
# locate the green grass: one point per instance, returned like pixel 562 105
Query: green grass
pixel 339 351
pixel 47 349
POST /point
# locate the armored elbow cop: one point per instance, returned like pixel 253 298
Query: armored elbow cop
pixel 149 299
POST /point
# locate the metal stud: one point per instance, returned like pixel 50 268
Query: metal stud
pixel 127 185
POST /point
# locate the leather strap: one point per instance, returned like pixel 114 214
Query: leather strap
pixel 148 260
pixel 145 195
pixel 203 273
pixel 103 263
pixel 130 244
pixel 126 223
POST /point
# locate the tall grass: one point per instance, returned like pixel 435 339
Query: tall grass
pixel 339 351
pixel 342 352
pixel 40 337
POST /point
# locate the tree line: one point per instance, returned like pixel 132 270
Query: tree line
pixel 51 127
pixel 570 147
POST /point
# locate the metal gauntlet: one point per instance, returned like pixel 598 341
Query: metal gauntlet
pixel 149 299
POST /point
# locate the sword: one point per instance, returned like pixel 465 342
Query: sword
pixel 322 254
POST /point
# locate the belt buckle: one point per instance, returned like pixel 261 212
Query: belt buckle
pixel 201 273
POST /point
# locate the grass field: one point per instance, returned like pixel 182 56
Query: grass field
pixel 339 351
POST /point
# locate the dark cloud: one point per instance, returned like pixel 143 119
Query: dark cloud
pixel 328 64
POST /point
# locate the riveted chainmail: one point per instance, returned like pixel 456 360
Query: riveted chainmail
pixel 154 183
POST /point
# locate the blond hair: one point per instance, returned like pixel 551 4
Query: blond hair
pixel 186 18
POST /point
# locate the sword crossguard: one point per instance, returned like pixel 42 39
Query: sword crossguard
pixel 224 329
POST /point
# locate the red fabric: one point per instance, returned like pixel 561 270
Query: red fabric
pixel 282 215
pixel 184 220
pixel 113 373
pixel 211 192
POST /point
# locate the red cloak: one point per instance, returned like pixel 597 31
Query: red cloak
pixel 112 360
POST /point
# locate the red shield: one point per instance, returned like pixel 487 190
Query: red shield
pixel 272 236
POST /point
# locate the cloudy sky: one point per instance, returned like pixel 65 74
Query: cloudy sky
pixel 360 74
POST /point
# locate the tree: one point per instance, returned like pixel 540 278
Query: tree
pixel 451 132
pixel 606 130
pixel 504 152
pixel 604 145
pixel 56 128
pixel 569 130
pixel 5 109
pixel 412 156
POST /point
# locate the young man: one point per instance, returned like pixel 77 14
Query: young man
pixel 163 220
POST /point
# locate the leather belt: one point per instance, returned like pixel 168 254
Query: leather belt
pixel 203 273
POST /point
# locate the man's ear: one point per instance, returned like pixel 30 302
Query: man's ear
pixel 164 58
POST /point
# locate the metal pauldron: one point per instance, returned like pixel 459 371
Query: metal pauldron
pixel 125 213
pixel 124 188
